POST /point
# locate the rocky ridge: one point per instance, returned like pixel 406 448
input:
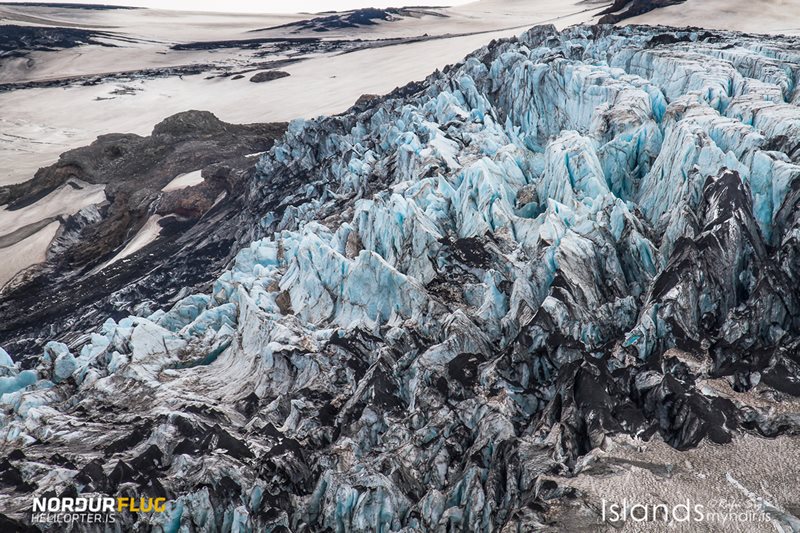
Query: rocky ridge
pixel 623 9
pixel 72 286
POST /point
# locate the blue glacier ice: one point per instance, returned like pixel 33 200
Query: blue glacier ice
pixel 557 202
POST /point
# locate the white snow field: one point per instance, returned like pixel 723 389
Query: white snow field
pixel 66 200
pixel 26 252
pixel 145 236
pixel 26 233
pixel 38 124
pixel 759 16
pixel 184 180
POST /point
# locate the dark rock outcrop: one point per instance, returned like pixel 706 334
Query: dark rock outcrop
pixel 269 75
pixel 624 9
pixel 134 170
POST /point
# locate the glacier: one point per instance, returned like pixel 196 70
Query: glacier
pixel 483 277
